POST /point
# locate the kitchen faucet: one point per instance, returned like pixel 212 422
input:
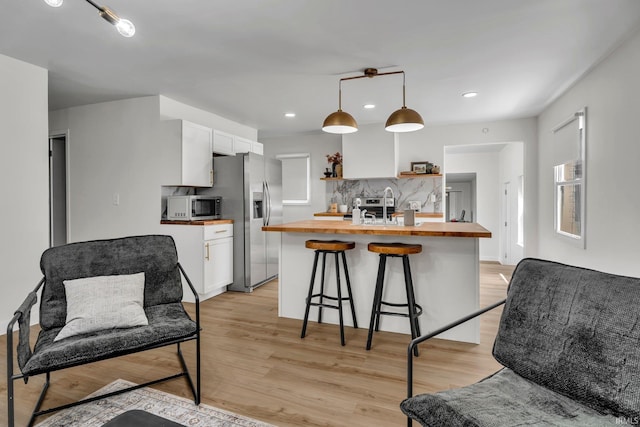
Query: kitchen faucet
pixel 384 203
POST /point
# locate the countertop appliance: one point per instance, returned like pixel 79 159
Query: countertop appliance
pixel 251 186
pixel 192 208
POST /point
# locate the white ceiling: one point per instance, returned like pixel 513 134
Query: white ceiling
pixel 253 60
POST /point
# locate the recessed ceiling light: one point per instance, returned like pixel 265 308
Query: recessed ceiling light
pixel 289 114
pixel 369 106
pixel 470 94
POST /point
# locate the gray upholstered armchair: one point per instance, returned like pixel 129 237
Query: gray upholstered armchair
pixel 569 341
pixel 103 299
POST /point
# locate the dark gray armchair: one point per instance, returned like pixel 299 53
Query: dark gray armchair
pixel 163 318
pixel 569 341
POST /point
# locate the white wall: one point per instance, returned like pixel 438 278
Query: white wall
pixel 111 149
pixel 487 213
pixel 611 93
pixel 24 169
pixel 318 145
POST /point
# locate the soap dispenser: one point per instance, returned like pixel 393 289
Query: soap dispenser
pixel 355 213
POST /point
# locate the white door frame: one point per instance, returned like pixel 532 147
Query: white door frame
pixel 54 135
pixel 506 252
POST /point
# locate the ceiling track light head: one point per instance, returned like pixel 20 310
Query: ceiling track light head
pixel 402 120
pixel 109 15
pixel 124 26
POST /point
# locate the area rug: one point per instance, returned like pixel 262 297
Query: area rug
pixel 169 406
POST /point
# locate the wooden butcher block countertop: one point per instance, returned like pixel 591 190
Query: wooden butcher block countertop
pixel 433 229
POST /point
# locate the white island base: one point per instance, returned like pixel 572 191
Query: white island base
pixel 445 279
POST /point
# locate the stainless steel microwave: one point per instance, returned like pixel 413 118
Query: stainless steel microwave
pixel 193 208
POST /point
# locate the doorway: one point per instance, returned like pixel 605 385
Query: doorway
pixel 58 190
pixel 494 165
pixel 460 194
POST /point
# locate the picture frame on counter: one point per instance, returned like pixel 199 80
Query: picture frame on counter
pixel 421 167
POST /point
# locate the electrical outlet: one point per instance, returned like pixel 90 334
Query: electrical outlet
pixel 116 199
pixel 414 205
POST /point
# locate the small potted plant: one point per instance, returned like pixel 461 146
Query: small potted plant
pixel 336 164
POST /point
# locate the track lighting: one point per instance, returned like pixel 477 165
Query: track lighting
pixel 401 120
pixel 124 26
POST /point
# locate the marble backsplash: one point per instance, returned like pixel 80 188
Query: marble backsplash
pixel 419 189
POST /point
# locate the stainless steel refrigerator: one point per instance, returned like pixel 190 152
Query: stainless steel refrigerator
pixel 251 190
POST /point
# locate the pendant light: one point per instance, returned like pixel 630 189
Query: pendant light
pixel 405 119
pixel 340 122
pixel 402 120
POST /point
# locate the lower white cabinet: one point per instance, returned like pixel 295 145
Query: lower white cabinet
pixel 206 254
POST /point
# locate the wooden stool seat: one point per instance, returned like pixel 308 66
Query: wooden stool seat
pixel 322 299
pixel 329 245
pixel 394 248
pixel 414 310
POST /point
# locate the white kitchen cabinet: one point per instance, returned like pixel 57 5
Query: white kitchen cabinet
pixel 242 145
pixel 228 144
pixel 206 254
pixel 188 146
pixel 223 143
pixel 372 152
pixel 257 147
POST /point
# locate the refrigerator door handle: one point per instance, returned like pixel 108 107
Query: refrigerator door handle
pixel 268 193
pixel 264 203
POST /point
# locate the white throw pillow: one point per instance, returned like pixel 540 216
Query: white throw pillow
pixel 103 302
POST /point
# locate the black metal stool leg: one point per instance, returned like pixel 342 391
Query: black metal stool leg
pixel 377 295
pixel 376 328
pixel 340 315
pixel 413 295
pixel 306 311
pixel 346 275
pixel 324 262
pixel 411 302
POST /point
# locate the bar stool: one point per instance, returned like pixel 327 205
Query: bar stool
pixel 325 247
pixel 414 310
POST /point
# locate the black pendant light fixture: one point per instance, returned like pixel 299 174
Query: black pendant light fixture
pixel 401 120
pixel 124 26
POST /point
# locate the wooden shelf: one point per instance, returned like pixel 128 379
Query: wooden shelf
pixel 420 175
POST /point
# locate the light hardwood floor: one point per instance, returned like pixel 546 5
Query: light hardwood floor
pixel 255 364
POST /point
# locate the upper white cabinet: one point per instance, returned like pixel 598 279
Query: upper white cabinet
pixel 372 152
pixel 223 143
pixel 257 147
pixel 243 145
pixel 189 149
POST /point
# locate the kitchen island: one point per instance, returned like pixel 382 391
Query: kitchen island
pixel 445 275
